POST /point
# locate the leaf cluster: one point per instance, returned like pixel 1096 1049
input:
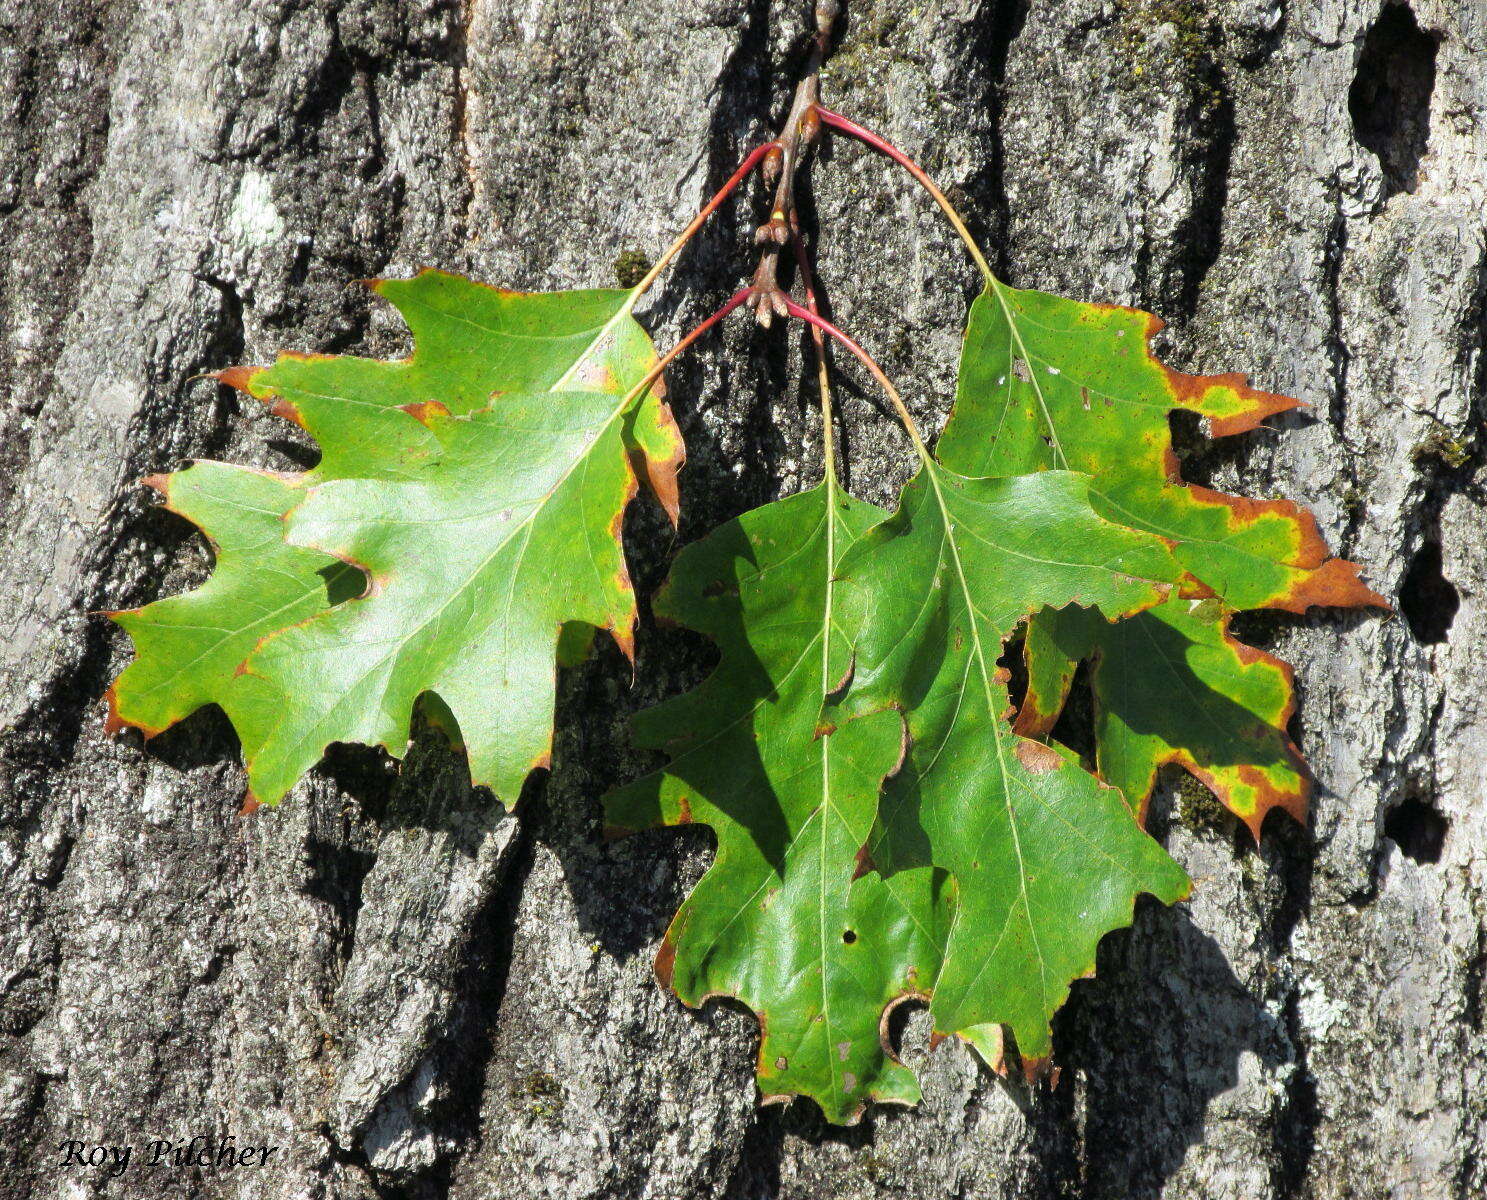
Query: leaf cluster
pixel 888 827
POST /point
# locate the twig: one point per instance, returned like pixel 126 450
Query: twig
pixel 801 129
pixel 739 297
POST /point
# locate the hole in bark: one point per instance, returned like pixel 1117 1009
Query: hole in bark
pixel 1427 598
pixel 1418 829
pixel 1390 97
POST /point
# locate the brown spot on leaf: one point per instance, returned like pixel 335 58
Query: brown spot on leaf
pixel 1033 720
pixel 425 411
pixel 1037 758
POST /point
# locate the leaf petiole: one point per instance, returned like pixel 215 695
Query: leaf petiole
pixel 848 126
pixel 816 319
pixel 823 376
pixel 753 159
pixel 755 156
pixel 666 359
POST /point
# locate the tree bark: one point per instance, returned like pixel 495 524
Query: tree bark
pixel 410 994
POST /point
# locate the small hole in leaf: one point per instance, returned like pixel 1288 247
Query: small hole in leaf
pixel 1390 97
pixel 1418 829
pixel 1427 598
pixel 343 582
pixel 849 936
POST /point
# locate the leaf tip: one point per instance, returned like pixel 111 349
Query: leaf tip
pixel 238 378
pixel 113 723
pixel 1035 1070
pixel 624 638
pixel 1337 583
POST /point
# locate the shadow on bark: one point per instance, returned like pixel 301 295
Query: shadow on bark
pixel 1147 1084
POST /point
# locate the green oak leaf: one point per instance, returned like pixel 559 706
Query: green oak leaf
pixel 778 921
pixel 471 342
pixel 1051 382
pixel 379 422
pixel 1172 685
pixel 1047 860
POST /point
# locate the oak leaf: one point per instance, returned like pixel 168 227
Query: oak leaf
pixel 1047 382
pixel 778 921
pixel 474 491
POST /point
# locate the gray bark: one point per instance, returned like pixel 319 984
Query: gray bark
pixel 413 995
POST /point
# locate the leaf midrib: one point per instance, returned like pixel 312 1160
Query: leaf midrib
pixel 991 707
